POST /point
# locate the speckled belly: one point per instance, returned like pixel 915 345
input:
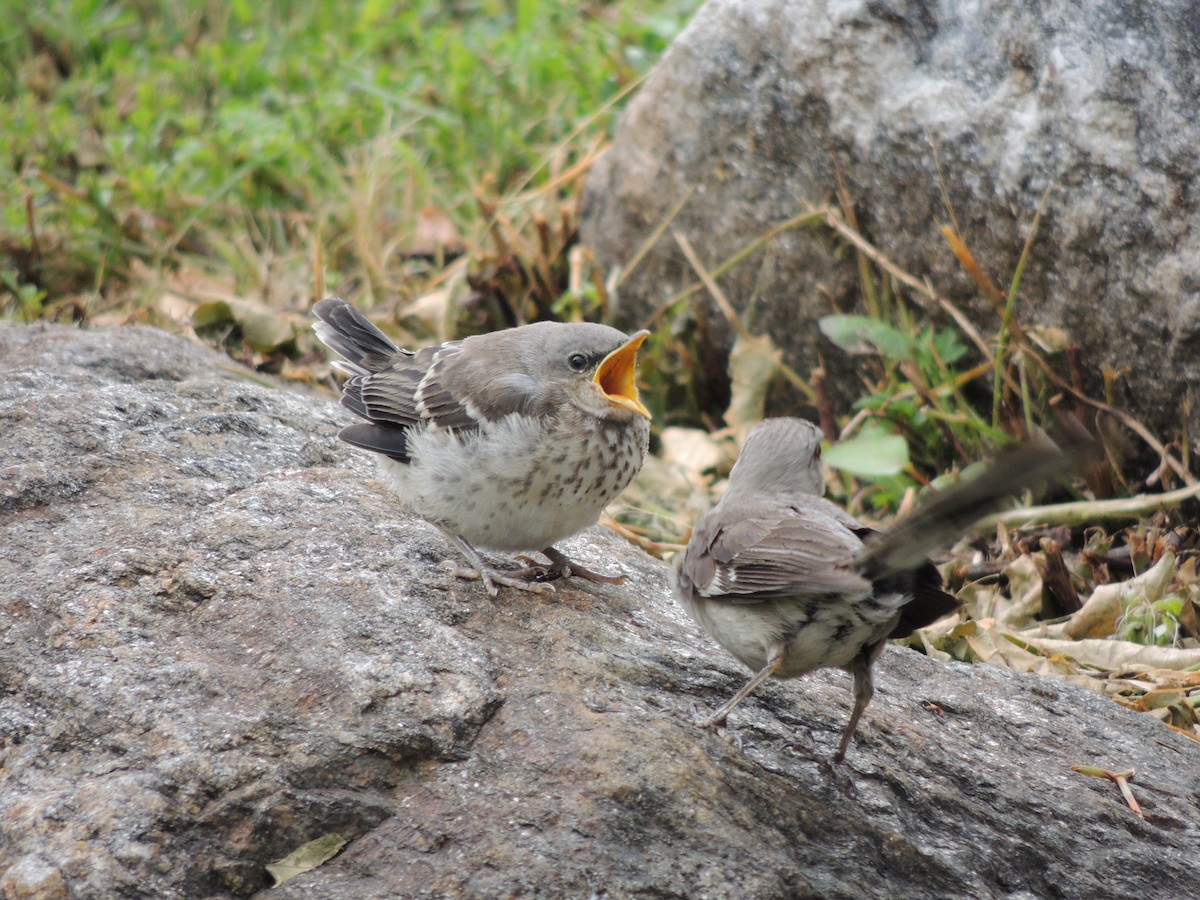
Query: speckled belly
pixel 523 489
pixel 817 631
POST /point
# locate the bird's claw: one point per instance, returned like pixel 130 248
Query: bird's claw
pixel 697 715
pixel 494 579
pixel 566 568
pixel 538 572
pixel 705 719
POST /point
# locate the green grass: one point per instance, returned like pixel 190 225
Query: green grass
pixel 241 137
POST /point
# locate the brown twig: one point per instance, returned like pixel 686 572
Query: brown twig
pixel 35 250
pixel 967 260
pixel 654 548
pixel 809 217
pixel 922 288
pixel 730 313
pixel 910 371
pixel 846 202
pixel 1120 779
pixel 710 283
pixel 835 222
pixel 579 129
pixel 824 405
pixel 652 238
pixel 1056 582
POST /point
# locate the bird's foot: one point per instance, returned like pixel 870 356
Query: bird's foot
pixel 561 566
pixel 494 579
pixel 703 718
pixel 835 772
pixel 536 571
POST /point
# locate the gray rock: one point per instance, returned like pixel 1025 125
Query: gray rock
pixel 219 640
pixel 759 105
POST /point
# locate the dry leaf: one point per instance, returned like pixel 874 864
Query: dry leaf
pixel 1098 616
pixel 434 313
pixel 1049 338
pixel 1025 587
pixel 306 857
pixel 1112 656
pixel 176 309
pixel 434 233
pixel 753 362
pixel 692 450
pixel 663 499
pixel 263 329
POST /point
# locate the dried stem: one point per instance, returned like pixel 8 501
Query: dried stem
pixel 731 315
pixel 1088 512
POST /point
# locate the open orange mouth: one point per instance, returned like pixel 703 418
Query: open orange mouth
pixel 617 375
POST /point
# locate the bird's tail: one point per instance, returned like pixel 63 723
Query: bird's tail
pixel 346 331
pixel 944 519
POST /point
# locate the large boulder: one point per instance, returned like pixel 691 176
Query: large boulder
pixel 760 106
pixel 219 640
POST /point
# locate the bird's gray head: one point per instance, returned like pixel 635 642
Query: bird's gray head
pixel 780 456
pixel 593 365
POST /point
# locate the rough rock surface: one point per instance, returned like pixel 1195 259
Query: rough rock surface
pixel 760 105
pixel 219 641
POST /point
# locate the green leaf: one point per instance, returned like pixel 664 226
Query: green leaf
pixel 306 857
pixel 949 348
pixel 862 334
pixel 871 454
pixel 1172 606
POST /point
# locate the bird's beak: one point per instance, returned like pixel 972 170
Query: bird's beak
pixel 617 375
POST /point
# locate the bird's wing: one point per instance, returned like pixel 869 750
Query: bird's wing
pixel 460 386
pixel 393 396
pixel 767 547
pixel 947 516
pixel 485 379
pixel 457 386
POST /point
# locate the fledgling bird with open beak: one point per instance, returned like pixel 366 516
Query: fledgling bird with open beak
pixel 788 582
pixel 508 441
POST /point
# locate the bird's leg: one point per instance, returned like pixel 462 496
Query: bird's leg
pixel 562 567
pixel 778 655
pixel 487 574
pixel 864 690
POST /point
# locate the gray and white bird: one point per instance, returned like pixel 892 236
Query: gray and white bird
pixel 788 582
pixel 509 441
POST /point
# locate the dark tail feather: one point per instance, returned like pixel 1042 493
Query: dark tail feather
pixel 947 517
pixel 928 604
pixel 389 440
pixel 348 332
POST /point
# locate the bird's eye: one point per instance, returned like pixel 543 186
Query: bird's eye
pixel 577 362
